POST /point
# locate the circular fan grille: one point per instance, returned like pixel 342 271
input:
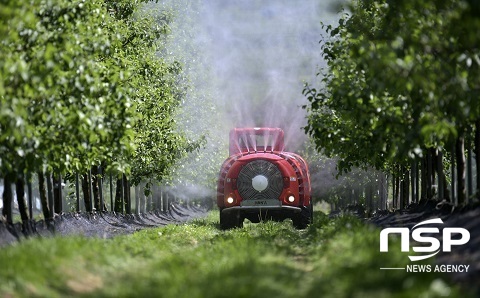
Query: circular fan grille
pixel 252 170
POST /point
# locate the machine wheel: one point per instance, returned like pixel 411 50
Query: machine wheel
pixel 230 220
pixel 304 218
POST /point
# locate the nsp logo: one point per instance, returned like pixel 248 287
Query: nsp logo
pixel 417 235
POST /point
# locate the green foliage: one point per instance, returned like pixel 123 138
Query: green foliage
pixel 401 77
pixel 81 83
pixel 335 257
pixel 76 103
pixel 157 96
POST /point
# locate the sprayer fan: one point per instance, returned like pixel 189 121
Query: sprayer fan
pixel 251 182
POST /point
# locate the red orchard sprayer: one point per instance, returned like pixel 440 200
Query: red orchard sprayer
pixel 260 181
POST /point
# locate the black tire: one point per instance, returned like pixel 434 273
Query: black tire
pixel 230 220
pixel 304 218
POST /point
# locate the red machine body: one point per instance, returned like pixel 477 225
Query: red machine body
pixel 261 181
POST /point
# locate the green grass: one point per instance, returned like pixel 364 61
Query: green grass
pixel 332 258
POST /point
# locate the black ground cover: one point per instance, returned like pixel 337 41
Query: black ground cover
pixel 98 224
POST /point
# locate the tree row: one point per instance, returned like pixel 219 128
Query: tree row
pixel 85 91
pixel 401 95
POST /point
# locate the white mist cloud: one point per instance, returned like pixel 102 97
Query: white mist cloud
pixel 247 60
pixel 262 52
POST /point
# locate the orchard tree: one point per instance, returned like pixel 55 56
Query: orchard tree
pixel 400 84
pixel 81 87
pixel 158 95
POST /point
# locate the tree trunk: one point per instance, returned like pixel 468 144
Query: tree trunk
pixel 57 193
pixel 413 178
pixel 161 199
pixel 446 193
pixel 430 174
pixel 111 194
pixel 103 206
pixel 143 198
pixel 30 196
pixel 406 189
pixel 440 175
pixel 119 196
pixel 97 189
pixel 460 155
pixel 469 170
pixel 477 155
pixel 401 190
pixel 86 193
pixel 396 194
pixel 50 193
pixel 416 198
pixel 452 175
pixel 22 204
pixel 90 189
pixel 126 191
pixel 77 193
pixel 393 190
pixel 43 196
pixel 137 200
pixel 96 197
pixel 7 198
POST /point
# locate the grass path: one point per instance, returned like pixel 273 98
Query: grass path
pixel 332 258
